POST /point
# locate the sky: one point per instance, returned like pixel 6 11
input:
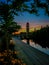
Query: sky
pixel 34 21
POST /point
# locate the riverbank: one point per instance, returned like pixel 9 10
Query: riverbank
pixel 37 46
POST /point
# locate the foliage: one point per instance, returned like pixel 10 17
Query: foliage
pixel 10 58
pixel 41 36
pixel 37 5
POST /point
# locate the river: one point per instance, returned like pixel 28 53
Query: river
pixel 37 46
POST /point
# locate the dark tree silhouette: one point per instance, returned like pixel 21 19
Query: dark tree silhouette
pixel 37 5
pixel 41 37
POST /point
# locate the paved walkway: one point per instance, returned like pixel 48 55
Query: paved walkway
pixel 30 55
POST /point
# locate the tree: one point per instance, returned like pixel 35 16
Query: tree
pixel 37 5
pixel 6 34
pixel 8 9
pixel 7 26
pixel 41 36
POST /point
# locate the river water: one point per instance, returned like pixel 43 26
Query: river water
pixel 37 46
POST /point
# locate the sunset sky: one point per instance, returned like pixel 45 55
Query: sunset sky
pixel 34 21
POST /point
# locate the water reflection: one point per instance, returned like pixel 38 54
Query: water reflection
pixel 37 46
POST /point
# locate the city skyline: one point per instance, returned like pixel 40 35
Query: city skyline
pixel 32 19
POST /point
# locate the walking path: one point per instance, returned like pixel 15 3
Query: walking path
pixel 30 55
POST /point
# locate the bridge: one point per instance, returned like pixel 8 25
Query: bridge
pixel 30 55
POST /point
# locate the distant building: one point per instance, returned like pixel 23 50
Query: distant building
pixel 41 27
pixel 27 27
pixel 47 26
pixel 34 29
pixel 27 32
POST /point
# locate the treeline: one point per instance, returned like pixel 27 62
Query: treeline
pixel 41 36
